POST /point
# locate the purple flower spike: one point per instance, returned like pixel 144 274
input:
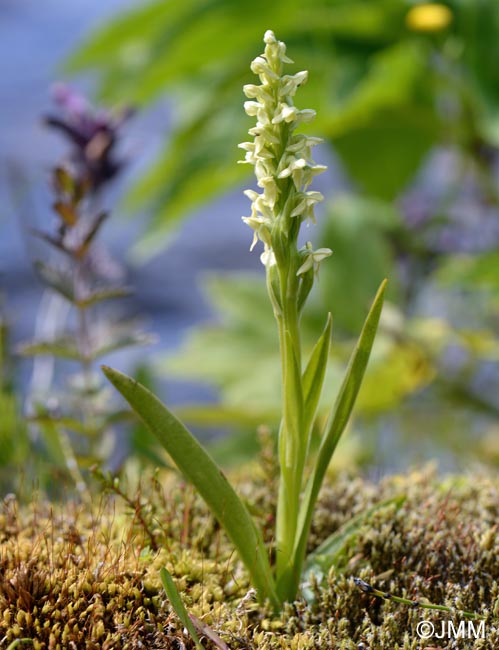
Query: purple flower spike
pixel 92 134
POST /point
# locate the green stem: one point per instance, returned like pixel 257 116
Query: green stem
pixel 72 465
pixel 293 441
pixel 386 595
pixel 83 342
pixel 85 349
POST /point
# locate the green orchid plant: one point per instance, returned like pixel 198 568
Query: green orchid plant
pixel 284 170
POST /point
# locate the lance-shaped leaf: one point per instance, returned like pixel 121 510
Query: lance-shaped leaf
pixel 57 279
pixel 56 242
pixel 103 294
pixel 199 468
pixel 63 181
pixel 336 424
pixel 313 377
pixel 67 212
pixel 94 228
pixel 63 347
pixel 117 339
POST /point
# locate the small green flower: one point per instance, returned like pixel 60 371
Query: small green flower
pixel 260 226
pixel 313 258
pixel 305 208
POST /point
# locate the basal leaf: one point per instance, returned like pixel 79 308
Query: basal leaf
pixel 198 467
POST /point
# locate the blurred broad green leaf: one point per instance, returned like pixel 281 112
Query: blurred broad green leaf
pixel 398 371
pixel 356 230
pixel 371 82
pixel 14 445
pixel 386 125
pixel 472 271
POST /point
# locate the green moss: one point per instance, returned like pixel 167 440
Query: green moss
pixel 71 578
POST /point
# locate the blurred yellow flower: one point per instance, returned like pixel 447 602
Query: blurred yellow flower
pixel 429 17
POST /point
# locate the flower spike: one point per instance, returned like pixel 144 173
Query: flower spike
pixel 282 159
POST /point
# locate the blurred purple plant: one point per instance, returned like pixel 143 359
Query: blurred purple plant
pixel 92 134
pixel 86 280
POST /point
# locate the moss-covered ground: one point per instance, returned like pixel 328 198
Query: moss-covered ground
pixel 78 577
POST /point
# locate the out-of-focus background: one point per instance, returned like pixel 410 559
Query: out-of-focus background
pixel 407 96
pixel 37 40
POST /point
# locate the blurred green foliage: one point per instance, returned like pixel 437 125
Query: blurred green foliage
pixel 72 421
pixel 77 420
pixel 14 443
pixel 385 92
pixel 393 81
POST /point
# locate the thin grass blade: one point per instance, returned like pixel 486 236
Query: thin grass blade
pixel 178 605
pixel 333 550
